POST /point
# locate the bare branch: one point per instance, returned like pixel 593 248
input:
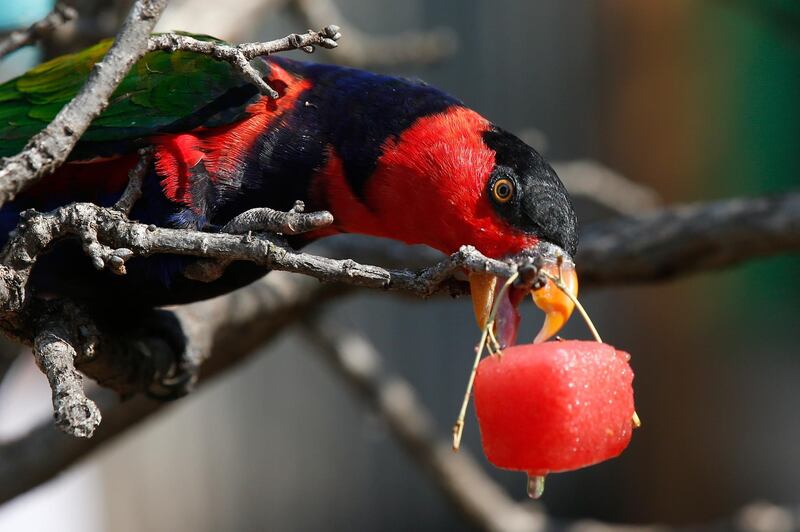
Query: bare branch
pixel 239 56
pixel 462 480
pixel 110 239
pixel 50 147
pixel 669 242
pixel 363 49
pixel 602 186
pixel 689 238
pixel 54 352
pixel 133 191
pixel 61 14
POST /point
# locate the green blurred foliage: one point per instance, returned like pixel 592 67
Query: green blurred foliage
pixel 754 69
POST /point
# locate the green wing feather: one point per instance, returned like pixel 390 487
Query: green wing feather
pixel 162 91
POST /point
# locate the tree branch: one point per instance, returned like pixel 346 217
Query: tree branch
pixel 110 239
pixel 685 239
pixel 53 349
pixel 658 245
pixel 239 56
pixel 133 190
pixel 49 148
pixel 662 244
pixel 61 14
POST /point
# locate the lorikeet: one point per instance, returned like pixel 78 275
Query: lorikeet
pixel 386 156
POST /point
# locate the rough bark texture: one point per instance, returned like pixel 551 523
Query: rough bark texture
pixel 55 355
pixel 688 238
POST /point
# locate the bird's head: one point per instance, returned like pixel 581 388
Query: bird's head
pixel 453 178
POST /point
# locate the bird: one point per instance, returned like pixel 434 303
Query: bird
pixel 386 156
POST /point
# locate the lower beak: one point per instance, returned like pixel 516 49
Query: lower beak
pixel 556 305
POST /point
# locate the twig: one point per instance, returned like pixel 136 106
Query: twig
pixel 61 14
pixel 488 327
pixel 458 476
pixel 239 56
pixel 54 352
pixel 50 147
pixel 133 190
pixel 363 49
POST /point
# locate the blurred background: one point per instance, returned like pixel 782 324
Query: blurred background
pixel 695 100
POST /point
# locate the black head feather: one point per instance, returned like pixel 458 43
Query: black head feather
pixel 540 204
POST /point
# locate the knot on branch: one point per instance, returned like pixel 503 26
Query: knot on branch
pixel 12 291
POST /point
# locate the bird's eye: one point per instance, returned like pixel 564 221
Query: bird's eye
pixel 502 190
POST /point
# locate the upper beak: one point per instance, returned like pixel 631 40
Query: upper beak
pixel 556 305
pixel 485 289
pixel 482 287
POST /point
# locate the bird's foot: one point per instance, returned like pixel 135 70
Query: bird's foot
pixel 262 220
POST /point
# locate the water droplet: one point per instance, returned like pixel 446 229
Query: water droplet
pixel 535 486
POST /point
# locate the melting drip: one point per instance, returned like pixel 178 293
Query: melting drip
pixel 535 486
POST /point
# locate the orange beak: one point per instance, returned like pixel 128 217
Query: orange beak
pixel 557 306
pixel 482 287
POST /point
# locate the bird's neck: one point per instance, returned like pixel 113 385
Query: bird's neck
pixel 334 125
